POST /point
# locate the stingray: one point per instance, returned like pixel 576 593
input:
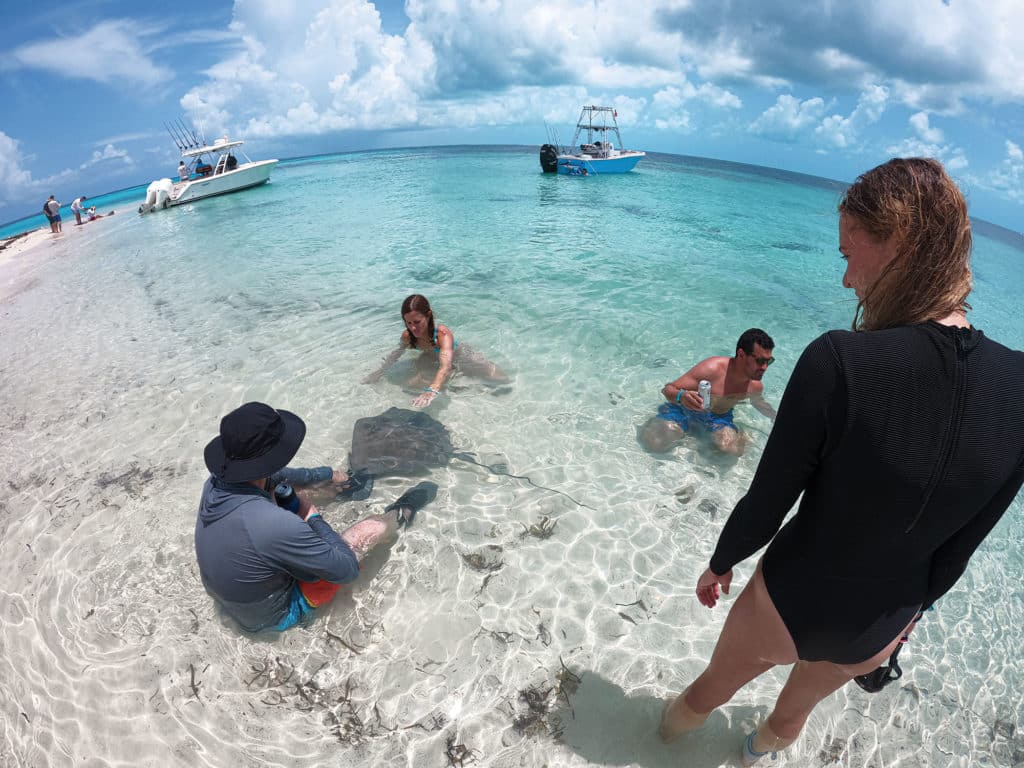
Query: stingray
pixel 400 442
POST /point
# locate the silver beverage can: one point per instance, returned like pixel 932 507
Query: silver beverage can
pixel 704 389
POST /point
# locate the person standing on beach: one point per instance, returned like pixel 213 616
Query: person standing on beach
pixel 901 438
pixel 266 566
pixel 52 210
pixel 76 208
pixel 733 379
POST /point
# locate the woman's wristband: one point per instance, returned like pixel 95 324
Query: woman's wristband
pixel 679 395
pixel 431 389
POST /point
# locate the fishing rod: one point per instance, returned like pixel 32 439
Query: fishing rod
pixel 195 139
pixel 175 137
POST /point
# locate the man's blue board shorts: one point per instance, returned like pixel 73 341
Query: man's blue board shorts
pixel 712 422
pixel 298 609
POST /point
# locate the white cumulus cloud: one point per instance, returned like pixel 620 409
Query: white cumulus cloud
pixel 320 66
pixel 17 182
pixel 928 142
pixel 842 132
pixel 1008 177
pixel 951 156
pixel 788 117
pixel 919 122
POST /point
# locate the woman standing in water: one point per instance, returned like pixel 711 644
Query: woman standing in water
pixel 903 436
pixel 438 343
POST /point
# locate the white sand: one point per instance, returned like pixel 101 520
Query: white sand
pixel 12 247
pixel 22 254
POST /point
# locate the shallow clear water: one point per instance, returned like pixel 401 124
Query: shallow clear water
pixel 125 342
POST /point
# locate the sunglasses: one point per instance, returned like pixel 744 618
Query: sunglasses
pixel 764 360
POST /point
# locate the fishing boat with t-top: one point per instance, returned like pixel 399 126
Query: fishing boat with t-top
pixel 206 170
pixel 596 154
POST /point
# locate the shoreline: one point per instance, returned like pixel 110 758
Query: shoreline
pixel 14 248
pixel 19 253
pixel 15 245
pixel 15 268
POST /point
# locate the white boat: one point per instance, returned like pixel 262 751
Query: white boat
pixel 595 155
pixel 210 169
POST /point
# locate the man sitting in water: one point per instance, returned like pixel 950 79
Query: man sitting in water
pixel 265 565
pixel 733 379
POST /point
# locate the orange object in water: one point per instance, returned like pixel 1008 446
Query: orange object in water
pixel 318 592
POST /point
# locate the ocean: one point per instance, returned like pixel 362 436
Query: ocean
pixel 519 622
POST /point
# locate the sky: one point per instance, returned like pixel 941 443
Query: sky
pixel 812 86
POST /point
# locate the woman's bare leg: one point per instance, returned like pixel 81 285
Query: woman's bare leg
pixel 473 363
pixel 809 683
pixel 753 640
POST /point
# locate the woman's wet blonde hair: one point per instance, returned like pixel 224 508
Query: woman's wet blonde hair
pixel 915 202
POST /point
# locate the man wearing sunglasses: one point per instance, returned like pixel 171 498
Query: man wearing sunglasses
pixel 733 379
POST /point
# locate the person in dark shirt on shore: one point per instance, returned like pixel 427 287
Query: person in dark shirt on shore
pixel 901 438
pixel 268 567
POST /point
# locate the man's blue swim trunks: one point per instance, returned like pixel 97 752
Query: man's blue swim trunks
pixel 298 610
pixel 712 422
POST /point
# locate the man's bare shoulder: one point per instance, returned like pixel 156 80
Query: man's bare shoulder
pixel 755 387
pixel 717 364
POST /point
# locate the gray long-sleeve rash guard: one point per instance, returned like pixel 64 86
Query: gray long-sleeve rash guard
pixel 251 551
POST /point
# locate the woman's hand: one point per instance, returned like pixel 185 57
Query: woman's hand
pixel 425 398
pixel 707 586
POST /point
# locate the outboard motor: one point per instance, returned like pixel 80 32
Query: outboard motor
pixel 156 195
pixel 549 158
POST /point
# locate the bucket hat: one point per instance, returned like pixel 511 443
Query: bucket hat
pixel 255 441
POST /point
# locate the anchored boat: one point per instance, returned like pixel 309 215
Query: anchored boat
pixel 597 154
pixel 206 170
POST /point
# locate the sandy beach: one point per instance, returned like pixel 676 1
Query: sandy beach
pixel 22 253
pixel 18 255
pixel 14 246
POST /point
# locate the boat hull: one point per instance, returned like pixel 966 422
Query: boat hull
pixel 245 176
pixel 574 165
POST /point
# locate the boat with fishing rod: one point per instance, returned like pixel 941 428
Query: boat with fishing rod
pixel 598 154
pixel 206 170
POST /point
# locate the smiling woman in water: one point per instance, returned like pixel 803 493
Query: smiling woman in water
pixel 442 356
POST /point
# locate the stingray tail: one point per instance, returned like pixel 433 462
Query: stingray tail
pixel 502 469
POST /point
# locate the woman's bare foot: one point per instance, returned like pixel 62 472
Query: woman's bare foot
pixel 677 718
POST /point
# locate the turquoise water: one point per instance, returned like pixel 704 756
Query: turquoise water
pixel 125 342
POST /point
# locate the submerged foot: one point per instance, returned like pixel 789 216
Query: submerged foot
pixel 677 718
pixel 762 743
